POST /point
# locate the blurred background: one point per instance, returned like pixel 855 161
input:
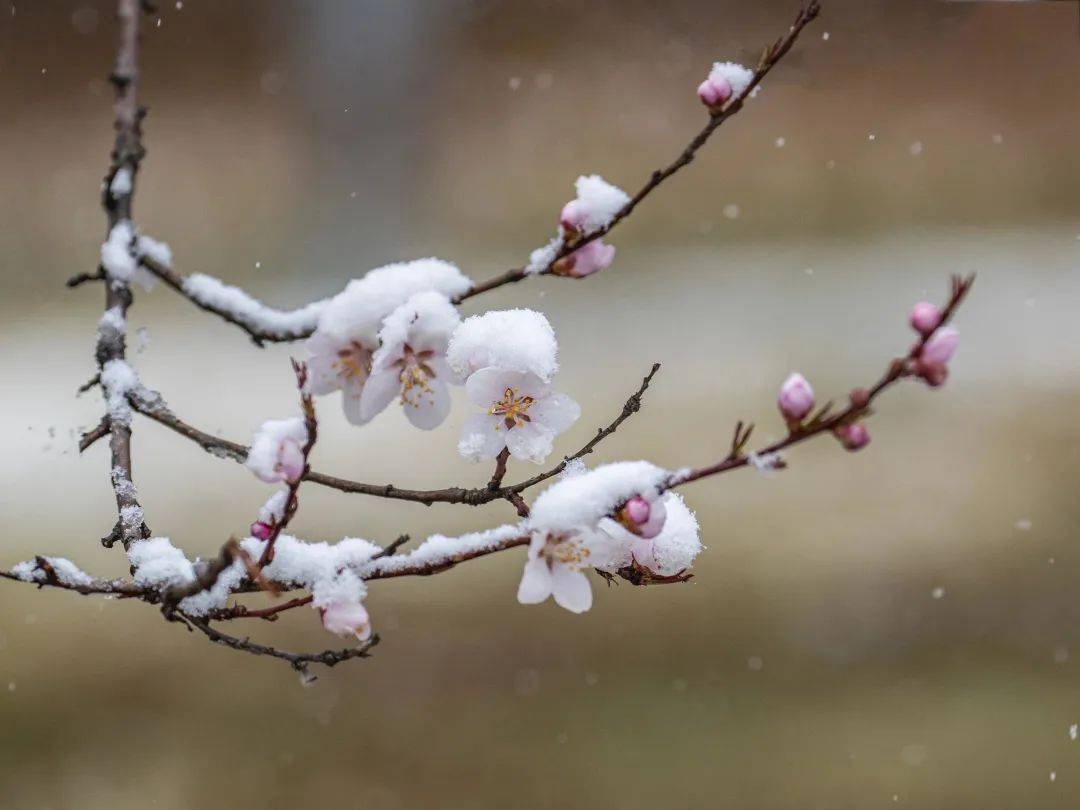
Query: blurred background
pixel 894 628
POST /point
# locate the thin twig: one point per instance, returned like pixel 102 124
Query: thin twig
pixel 152 406
pixel 858 405
pixel 769 59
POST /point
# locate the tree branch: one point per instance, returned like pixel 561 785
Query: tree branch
pixel 769 59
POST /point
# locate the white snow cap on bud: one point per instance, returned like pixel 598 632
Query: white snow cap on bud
pixel 669 552
pixel 518 340
pixel 796 398
pixel 277 451
pixel 595 206
pixel 726 80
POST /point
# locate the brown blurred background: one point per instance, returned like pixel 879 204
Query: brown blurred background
pixel 897 628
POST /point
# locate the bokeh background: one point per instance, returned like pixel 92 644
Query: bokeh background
pixel 896 628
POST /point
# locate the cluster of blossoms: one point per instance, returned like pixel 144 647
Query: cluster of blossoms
pixel 614 517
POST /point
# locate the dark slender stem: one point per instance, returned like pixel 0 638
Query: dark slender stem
pixel 769 59
pixel 858 406
pixel 152 406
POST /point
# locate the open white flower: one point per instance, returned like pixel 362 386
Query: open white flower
pixel 336 364
pixel 521 412
pixel 556 567
pixel 411 362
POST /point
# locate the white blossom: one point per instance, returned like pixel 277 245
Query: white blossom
pixel 521 412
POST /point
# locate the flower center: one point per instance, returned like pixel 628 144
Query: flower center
pixel 353 361
pixel 563 550
pixel 513 409
pixel 415 376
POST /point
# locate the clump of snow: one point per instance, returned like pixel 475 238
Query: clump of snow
pixel 220 297
pixel 276 452
pixel 151 248
pixel 515 340
pixel 116 255
pixel 574 467
pixel 357 312
pixel 678 544
pixel 440 549
pixel 112 320
pixel 157 563
pixel 67 573
pixel 425 320
pixel 311 565
pixel 543 257
pixel 738 76
pixel 583 500
pixel 118 379
pixel 598 201
pixel 121 184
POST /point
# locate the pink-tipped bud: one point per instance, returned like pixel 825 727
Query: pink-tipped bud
pixel 714 91
pixel 643 517
pixel 347 618
pixel 590 258
pixel 260 530
pixel 796 398
pixel 573 217
pixel 940 347
pixel 854 436
pixel 925 317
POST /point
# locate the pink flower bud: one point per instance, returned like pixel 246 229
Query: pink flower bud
pixel 925 317
pixel 940 347
pixel 933 374
pixel 290 462
pixel 854 436
pixel 347 618
pixel 260 530
pixel 714 91
pixel 573 217
pixel 642 517
pixel 590 258
pixel 796 398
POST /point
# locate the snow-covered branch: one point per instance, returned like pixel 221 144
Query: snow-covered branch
pixel 395 337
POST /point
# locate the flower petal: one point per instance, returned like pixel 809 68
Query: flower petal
pixel 480 438
pixel 351 394
pixel 536 583
pixel 428 410
pixel 571 589
pixel 378 392
pixel 557 411
pixel 488 385
pixel 530 442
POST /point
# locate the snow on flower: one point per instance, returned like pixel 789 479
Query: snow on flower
pixel 521 413
pixel 339 600
pixel 596 205
pixel 593 509
pixel 347 333
pixel 411 361
pixel 516 340
pixel 726 81
pixel 277 451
